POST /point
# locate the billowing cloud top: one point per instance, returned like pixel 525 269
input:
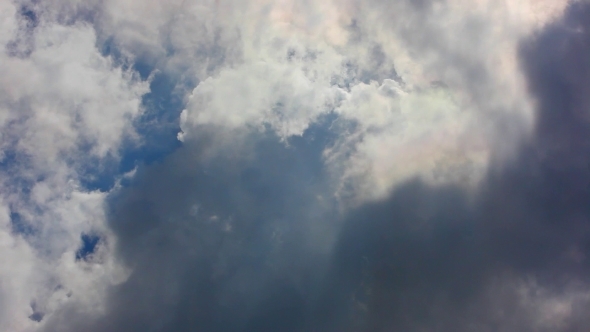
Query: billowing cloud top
pixel 291 165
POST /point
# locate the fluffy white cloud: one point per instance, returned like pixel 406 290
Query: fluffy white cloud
pixel 343 57
pixel 64 108
pixel 401 134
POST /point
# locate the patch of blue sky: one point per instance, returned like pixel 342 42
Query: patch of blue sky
pixel 20 226
pixel 157 127
pixel 37 315
pixel 89 242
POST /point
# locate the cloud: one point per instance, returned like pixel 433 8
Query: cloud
pixel 511 257
pixel 216 233
pixel 408 165
pixel 65 109
pixel 378 62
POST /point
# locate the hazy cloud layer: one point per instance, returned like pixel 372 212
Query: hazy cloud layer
pixel 345 166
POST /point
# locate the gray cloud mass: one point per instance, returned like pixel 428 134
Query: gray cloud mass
pixel 245 235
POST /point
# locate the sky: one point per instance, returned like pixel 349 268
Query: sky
pixel 295 165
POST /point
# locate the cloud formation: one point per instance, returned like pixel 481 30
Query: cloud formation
pixel 345 166
pixel 65 109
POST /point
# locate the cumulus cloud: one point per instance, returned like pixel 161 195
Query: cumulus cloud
pixel 451 65
pixel 345 165
pixel 65 110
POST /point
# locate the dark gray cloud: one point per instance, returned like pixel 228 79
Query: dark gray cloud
pixel 251 240
pixel 439 259
pixel 220 242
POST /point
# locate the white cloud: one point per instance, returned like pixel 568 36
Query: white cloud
pixel 402 134
pixel 285 96
pixel 63 108
pixel 18 262
pixel 469 47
